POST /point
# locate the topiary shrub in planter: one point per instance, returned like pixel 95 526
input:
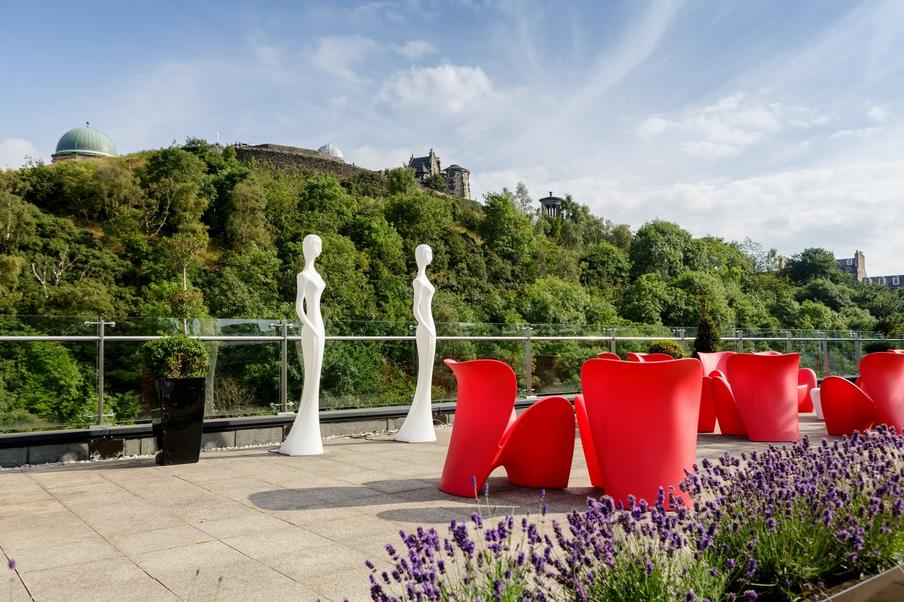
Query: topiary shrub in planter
pixel 177 366
pixel 708 339
pixel 672 348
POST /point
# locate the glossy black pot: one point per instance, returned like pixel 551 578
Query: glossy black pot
pixel 178 419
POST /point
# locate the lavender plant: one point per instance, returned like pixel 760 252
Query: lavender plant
pixel 781 523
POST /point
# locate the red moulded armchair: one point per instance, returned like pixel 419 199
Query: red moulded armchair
pixel 845 407
pixel 636 356
pixel 882 375
pixel 638 424
pixel 765 391
pixel 806 381
pixel 536 448
pixel 608 355
pixel 714 361
pixel 725 406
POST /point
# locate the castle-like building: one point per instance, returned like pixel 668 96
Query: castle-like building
pixel 856 267
pixel 457 178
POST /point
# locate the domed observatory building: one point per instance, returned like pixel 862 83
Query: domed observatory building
pixel 84 143
pixel 330 151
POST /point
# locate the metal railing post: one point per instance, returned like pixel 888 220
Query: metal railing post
pixel 788 345
pixel 284 327
pixel 100 323
pixel 825 354
pixel 681 341
pixel 528 363
pixel 740 341
pixel 612 341
pixel 858 347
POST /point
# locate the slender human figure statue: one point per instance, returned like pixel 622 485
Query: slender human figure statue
pixel 304 438
pixel 418 425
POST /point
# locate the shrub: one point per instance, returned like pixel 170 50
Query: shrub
pixel 672 348
pixel 708 339
pixel 175 357
pixel 877 346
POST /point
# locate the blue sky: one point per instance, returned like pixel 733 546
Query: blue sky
pixel 781 121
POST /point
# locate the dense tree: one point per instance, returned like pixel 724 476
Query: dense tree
pixel 814 263
pixel 662 248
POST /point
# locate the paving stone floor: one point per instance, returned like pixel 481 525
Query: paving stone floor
pixel 245 524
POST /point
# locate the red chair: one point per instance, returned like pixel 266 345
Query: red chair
pixel 608 355
pixel 535 449
pixel 706 422
pixel 845 407
pixel 711 363
pixel 649 357
pixel 806 381
pixel 883 381
pixel 765 391
pixel 725 406
pixel 714 361
pixel 638 424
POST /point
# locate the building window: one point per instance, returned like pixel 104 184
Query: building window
pixel 850 262
pixel 880 280
pixel 896 280
pixel 868 280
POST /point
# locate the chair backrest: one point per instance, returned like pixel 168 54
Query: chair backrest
pixel 765 390
pixel 484 408
pixel 608 355
pixel 643 419
pixel 657 357
pixel 882 377
pixel 636 356
pixel 714 361
pixel 770 352
pixel 806 376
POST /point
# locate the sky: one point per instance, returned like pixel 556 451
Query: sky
pixel 778 121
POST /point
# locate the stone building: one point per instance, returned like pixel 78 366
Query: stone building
pixel 83 143
pixel 856 267
pixel 458 179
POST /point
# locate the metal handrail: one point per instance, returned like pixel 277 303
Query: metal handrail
pixel 527 337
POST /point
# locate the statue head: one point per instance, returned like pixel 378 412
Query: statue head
pixel 311 247
pixel 423 255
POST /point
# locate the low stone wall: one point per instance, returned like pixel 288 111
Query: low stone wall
pixel 296 158
pixel 109 444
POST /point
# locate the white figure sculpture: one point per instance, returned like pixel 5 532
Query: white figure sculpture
pixel 304 438
pixel 418 425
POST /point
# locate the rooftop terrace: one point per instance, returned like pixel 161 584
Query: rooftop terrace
pixel 247 524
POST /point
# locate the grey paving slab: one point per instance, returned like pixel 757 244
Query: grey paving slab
pixel 113 579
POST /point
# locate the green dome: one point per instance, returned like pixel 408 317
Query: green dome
pixel 85 141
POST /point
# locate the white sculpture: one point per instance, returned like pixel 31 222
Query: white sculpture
pixel 418 425
pixel 304 438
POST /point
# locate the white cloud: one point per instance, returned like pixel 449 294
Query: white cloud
pixel 415 49
pixel 653 127
pixel 15 151
pixel 732 124
pixel 449 89
pixel 341 55
pixel 878 113
pixel 854 133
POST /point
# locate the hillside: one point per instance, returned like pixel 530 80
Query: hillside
pixel 192 231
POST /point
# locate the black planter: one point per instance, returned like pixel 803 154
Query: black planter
pixel 179 419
